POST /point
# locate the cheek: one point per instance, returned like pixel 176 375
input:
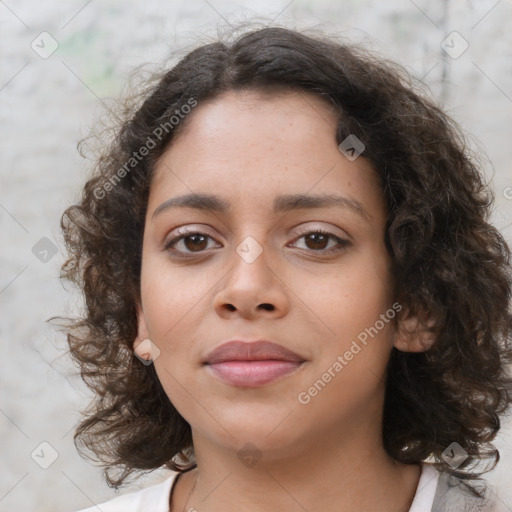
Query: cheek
pixel 348 376
pixel 171 296
pixel 356 306
pixel 353 297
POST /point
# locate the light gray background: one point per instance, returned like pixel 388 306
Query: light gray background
pixel 47 105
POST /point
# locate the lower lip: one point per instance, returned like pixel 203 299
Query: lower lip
pixel 251 374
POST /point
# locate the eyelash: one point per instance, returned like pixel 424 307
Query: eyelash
pixel 342 243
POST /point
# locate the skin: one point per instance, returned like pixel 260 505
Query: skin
pixel 326 455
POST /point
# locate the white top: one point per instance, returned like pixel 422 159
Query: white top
pixel 424 496
pixel 156 497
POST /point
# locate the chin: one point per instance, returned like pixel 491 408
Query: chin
pixel 269 431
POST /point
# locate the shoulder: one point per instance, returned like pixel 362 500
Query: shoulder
pixel 154 498
pixel 453 495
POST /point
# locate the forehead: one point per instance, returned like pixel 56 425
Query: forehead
pixel 237 121
pixel 254 145
pixel 279 104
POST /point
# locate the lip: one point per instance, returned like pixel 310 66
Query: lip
pixel 252 364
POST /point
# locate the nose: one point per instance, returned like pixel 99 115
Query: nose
pixel 252 288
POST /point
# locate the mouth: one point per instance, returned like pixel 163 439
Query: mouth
pixel 252 364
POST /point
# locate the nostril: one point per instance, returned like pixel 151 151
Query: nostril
pixel 267 306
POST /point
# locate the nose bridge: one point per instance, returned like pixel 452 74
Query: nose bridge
pixel 251 242
pixel 250 263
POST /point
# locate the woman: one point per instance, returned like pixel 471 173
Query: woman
pixel 294 298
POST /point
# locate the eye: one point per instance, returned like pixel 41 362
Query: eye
pixel 318 241
pixel 190 241
pixel 185 243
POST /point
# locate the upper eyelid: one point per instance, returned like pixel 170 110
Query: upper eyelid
pixel 340 233
pixel 183 232
pixel 199 227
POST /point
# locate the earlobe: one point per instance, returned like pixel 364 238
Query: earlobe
pixel 414 334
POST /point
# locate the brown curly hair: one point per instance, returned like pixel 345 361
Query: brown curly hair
pixel 448 262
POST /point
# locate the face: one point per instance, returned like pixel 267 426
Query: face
pixel 312 277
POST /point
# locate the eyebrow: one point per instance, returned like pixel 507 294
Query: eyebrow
pixel 282 204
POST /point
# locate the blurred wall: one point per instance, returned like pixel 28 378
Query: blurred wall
pixel 59 60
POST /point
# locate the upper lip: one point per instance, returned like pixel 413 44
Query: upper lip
pixel 259 350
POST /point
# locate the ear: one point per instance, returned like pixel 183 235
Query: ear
pixel 143 347
pixel 414 333
pixel 142 330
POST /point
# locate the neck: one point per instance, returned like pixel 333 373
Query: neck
pixel 354 475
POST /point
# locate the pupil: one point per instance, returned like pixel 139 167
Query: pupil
pixel 320 237
pixel 195 242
